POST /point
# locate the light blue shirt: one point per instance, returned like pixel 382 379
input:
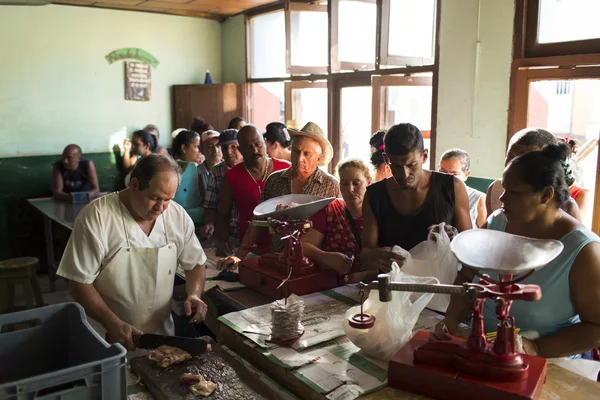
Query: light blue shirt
pixel 555 310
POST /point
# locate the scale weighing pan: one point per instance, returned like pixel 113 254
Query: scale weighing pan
pixel 503 253
pixel 307 206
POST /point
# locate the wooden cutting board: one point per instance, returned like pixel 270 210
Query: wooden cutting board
pixel 233 380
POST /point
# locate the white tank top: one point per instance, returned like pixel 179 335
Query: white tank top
pixel 474 196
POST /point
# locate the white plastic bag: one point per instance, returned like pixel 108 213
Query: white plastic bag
pixel 394 320
pixel 432 257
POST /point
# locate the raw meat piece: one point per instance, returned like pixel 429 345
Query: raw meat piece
pixel 189 379
pixel 286 206
pixel 164 356
pixel 197 384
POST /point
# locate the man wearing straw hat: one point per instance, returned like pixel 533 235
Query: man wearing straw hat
pixel 310 149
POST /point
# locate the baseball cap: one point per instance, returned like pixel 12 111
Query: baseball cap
pixel 228 136
pixel 207 135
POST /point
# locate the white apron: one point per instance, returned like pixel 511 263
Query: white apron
pixel 137 285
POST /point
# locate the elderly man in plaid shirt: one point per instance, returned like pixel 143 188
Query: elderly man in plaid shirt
pixel 231 157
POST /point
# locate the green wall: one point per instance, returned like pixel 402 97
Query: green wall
pixel 57 87
pixel 21 228
pixel 480 184
pixel 233 49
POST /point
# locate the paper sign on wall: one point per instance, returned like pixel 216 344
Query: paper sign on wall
pixel 138 81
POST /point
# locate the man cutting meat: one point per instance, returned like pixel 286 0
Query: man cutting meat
pixel 125 248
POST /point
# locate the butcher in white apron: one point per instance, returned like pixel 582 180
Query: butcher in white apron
pixel 124 251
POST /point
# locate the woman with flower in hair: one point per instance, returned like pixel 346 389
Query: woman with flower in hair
pixel 382 169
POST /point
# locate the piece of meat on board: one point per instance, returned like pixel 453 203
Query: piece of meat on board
pixel 197 384
pixel 164 356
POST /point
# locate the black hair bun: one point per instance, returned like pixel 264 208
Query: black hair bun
pixel 559 151
pixel 376 140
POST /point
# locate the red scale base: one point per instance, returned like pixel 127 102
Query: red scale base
pixel 440 382
pixel 265 278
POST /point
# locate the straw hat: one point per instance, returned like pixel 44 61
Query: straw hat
pixel 291 124
pixel 313 131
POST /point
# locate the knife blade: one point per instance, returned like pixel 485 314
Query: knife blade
pixel 152 341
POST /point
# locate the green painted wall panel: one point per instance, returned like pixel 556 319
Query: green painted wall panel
pixel 480 184
pixel 30 177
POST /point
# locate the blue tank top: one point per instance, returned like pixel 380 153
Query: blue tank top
pixel 555 310
pixel 75 181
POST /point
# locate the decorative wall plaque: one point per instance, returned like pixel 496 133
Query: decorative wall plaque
pixel 138 84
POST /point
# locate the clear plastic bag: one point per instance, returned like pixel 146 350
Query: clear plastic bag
pixel 394 320
pixel 432 257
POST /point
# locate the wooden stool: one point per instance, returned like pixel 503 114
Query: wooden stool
pixel 19 271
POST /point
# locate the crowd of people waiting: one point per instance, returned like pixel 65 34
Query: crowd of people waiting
pixel 390 201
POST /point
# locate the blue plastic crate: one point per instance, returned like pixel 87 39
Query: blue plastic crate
pixel 61 358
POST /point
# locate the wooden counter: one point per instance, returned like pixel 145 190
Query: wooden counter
pixel 221 303
pixel 560 383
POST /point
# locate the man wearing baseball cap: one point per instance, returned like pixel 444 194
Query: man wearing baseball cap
pixel 228 143
pixel 209 147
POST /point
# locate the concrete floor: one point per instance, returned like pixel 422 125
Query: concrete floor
pixel 60 295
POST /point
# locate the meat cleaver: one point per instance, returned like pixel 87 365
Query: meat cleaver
pixel 151 341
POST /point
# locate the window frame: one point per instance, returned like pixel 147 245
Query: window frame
pixel 289 7
pixel 379 82
pixel 249 44
pixel 389 59
pixel 293 85
pixel 335 87
pixel 524 77
pixel 335 63
pixel 336 80
pixel 546 61
pixel 534 49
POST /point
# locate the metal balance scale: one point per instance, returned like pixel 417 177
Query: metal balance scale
pixel 442 366
pixel 298 274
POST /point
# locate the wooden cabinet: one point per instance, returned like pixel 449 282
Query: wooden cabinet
pixel 215 103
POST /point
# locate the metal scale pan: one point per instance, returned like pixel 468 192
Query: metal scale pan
pixel 499 252
pixel 307 206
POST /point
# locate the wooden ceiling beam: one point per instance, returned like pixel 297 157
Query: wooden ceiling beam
pixel 212 9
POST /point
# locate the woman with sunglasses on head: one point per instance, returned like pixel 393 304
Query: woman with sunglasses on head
pixel 524 141
pixel 566 320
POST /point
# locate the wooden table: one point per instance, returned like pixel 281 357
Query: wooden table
pixel 560 383
pixel 61 213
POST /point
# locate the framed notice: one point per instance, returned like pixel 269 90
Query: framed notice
pixel 138 81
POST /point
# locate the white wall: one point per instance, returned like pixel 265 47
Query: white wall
pixel 473 94
pixel 57 87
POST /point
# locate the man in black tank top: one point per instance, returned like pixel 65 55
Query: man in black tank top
pixel 401 209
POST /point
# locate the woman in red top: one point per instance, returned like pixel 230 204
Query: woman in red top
pixel 335 242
